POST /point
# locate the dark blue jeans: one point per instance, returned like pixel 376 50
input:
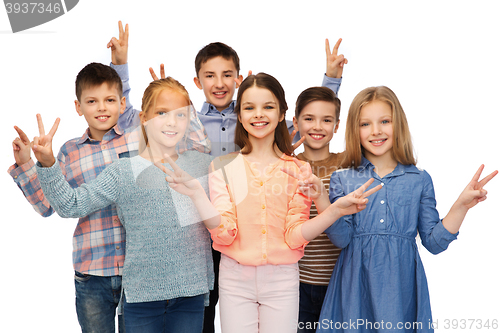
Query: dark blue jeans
pixel 178 315
pixel 310 301
pixel 97 298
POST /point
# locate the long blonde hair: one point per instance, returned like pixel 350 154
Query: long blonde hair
pixel 149 101
pixel 402 148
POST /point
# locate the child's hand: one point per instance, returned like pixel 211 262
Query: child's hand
pixel 309 185
pixel 334 63
pixel 180 180
pixel 162 72
pixel 474 192
pixel 298 143
pixel 355 201
pixel 119 47
pixel 42 145
pixel 22 147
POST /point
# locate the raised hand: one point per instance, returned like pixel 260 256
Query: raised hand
pixel 355 201
pixel 119 47
pixel 21 147
pixel 474 192
pixel 334 63
pixel 42 144
pixel 180 180
pixel 298 143
pixel 162 72
pixel 308 184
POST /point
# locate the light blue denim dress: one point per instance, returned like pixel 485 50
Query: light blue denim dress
pixel 379 283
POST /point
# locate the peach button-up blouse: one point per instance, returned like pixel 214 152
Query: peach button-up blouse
pixel 262 214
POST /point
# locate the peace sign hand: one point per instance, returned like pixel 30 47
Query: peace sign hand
pixel 21 147
pixel 153 74
pixel 355 201
pixel 180 180
pixel 334 63
pixel 474 192
pixel 42 144
pixel 308 184
pixel 119 47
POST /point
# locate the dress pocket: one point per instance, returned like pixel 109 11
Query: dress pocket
pixel 402 194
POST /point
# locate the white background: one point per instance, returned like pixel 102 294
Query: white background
pixel 440 58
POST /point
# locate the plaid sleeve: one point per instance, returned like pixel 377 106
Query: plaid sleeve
pixel 26 178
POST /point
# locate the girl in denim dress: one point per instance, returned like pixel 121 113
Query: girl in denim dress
pixel 379 283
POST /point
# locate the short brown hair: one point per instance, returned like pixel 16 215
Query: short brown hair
pixel 214 50
pixel 314 94
pixel 402 148
pixel 281 136
pixel 95 74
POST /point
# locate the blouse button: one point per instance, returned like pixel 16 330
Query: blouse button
pixel 263 206
pixel 381 220
pixel 382 184
pixel 261 183
pixel 263 231
pixel 382 202
pixel 264 256
pixel 103 146
pixel 118 247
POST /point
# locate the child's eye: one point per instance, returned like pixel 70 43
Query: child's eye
pixel 90 101
pixel 386 121
pixel 328 120
pixel 111 100
pixel 248 108
pixel 228 75
pixel 209 76
pixel 308 119
pixel 181 115
pixel 363 124
pixel 269 107
pixel 161 113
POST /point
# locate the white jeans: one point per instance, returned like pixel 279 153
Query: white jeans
pixel 262 299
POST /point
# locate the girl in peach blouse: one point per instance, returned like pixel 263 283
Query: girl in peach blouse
pixel 258 217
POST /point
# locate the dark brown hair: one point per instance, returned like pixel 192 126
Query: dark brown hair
pixel 314 94
pixel 282 138
pixel 402 148
pixel 95 74
pixel 214 50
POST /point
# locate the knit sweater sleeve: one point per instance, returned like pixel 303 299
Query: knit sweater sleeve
pixel 81 201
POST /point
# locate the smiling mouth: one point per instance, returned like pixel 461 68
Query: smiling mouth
pixel 378 142
pixel 170 133
pixel 220 94
pixel 102 118
pixel 259 124
pixel 317 136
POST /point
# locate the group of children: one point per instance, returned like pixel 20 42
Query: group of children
pixel 186 190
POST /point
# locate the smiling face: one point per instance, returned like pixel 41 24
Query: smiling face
pixel 376 130
pixel 216 79
pixel 101 106
pixel 259 113
pixel 317 122
pixel 166 122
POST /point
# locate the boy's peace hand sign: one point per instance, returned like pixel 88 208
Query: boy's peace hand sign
pixel 356 201
pixel 178 179
pixel 162 72
pixel 22 147
pixel 119 47
pixel 42 144
pixel 474 192
pixel 309 185
pixel 334 63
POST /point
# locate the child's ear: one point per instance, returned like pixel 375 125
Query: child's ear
pixel 296 123
pixel 77 107
pixel 123 104
pixel 336 126
pixel 198 82
pixel 238 81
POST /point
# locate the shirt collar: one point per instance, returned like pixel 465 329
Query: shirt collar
pixel 399 170
pixel 115 131
pixel 207 108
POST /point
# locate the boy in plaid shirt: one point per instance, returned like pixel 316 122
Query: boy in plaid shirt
pixel 99 238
